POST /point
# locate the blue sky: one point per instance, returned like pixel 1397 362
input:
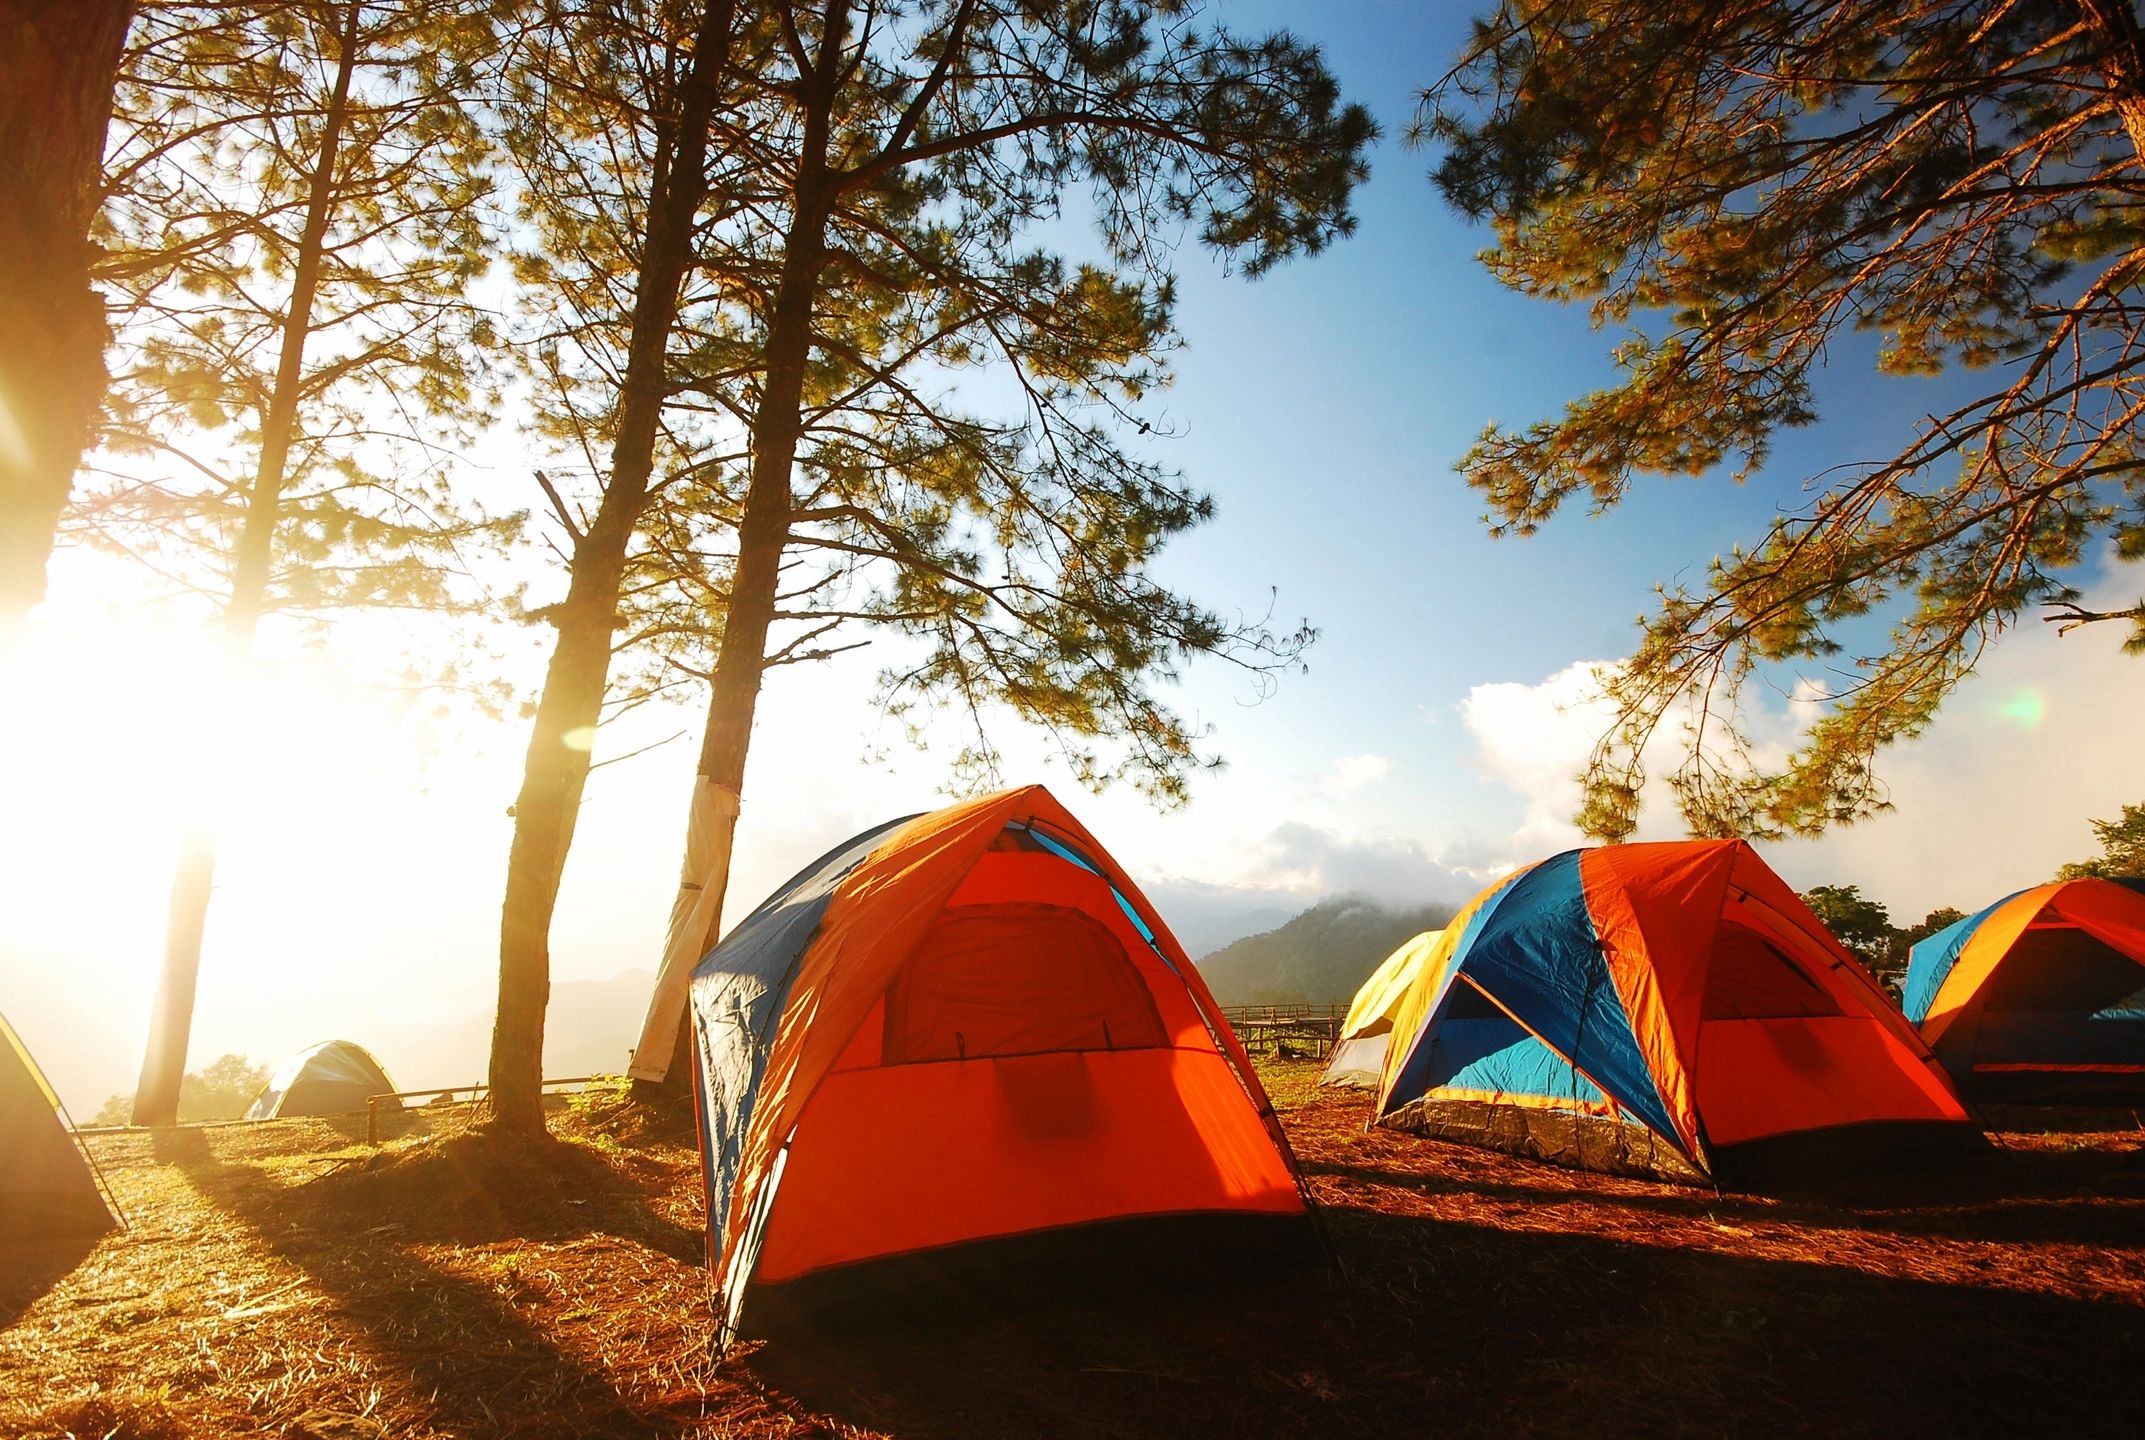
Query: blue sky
pixel 1430 745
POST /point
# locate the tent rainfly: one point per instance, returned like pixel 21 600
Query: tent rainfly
pixel 335 1077
pixel 1359 1051
pixel 1664 1008
pixel 45 1183
pixel 964 1045
pixel 2041 996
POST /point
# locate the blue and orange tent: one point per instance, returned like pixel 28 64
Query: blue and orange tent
pixel 2041 995
pixel 963 1040
pixel 1667 1009
pixel 335 1077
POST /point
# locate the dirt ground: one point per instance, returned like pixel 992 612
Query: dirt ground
pixel 288 1279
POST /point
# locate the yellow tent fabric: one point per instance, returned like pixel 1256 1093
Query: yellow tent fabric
pixel 45 1184
pixel 1379 1000
pixel 1358 1055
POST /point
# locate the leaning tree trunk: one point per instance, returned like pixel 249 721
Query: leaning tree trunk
pixel 572 699
pixel 55 101
pixel 156 1097
pixel 711 833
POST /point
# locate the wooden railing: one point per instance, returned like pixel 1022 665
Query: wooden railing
pixel 372 1108
pixel 1272 1027
pixel 372 1102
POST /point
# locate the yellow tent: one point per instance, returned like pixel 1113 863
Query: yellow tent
pixel 1359 1054
pixel 45 1184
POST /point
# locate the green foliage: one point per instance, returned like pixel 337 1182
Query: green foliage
pixel 1865 927
pixel 299 211
pixel 1321 957
pixel 221 1090
pixel 1893 972
pixel 1733 187
pixel 1009 544
pixel 2122 848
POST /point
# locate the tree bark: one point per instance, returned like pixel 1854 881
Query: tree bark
pixel 763 535
pixel 55 103
pixel 571 703
pixel 2122 63
pixel 156 1097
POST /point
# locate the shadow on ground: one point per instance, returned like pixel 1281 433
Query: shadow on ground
pixel 1477 1330
pixel 464 1287
pixel 31 1265
pixel 2003 1197
pixel 473 1189
pixel 473 1345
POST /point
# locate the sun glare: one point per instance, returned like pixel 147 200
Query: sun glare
pixel 138 728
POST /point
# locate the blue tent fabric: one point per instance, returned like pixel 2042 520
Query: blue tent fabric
pixel 738 993
pixel 1933 956
pixel 1064 851
pixel 335 1077
pixel 1574 1010
pixel 1415 1070
pixel 1494 1055
pixel 2036 997
pixel 1540 958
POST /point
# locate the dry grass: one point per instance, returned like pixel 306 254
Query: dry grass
pixel 287 1279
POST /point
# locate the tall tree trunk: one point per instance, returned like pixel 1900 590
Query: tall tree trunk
pixel 55 102
pixel 572 700
pixel 763 534
pixel 2124 65
pixel 156 1097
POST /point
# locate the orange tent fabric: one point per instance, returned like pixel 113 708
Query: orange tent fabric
pixel 2041 995
pixel 966 1026
pixel 1681 995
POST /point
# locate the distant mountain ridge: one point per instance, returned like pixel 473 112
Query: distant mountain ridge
pixel 589 1029
pixel 1321 957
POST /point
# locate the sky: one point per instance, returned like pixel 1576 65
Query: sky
pixel 1430 746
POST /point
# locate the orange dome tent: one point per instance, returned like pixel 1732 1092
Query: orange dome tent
pixel 965 1038
pixel 1668 1008
pixel 2041 996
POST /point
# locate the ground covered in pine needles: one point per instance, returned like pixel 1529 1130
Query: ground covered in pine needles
pixel 288 1279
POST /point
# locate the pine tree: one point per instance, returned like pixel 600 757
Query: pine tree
pixel 613 112
pixel 907 152
pixel 2122 849
pixel 1737 186
pixel 297 214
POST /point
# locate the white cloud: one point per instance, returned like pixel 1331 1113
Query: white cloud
pixel 1393 869
pixel 1991 799
pixel 1534 740
pixel 1353 772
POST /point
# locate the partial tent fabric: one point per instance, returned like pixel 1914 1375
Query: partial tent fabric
pixel 958 1033
pixel 45 1182
pixel 1662 1008
pixel 1358 1056
pixel 2040 995
pixel 335 1077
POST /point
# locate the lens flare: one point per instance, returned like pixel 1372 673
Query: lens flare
pixel 2026 709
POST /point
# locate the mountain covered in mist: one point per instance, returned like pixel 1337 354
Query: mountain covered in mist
pixel 1321 957
pixel 589 1028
